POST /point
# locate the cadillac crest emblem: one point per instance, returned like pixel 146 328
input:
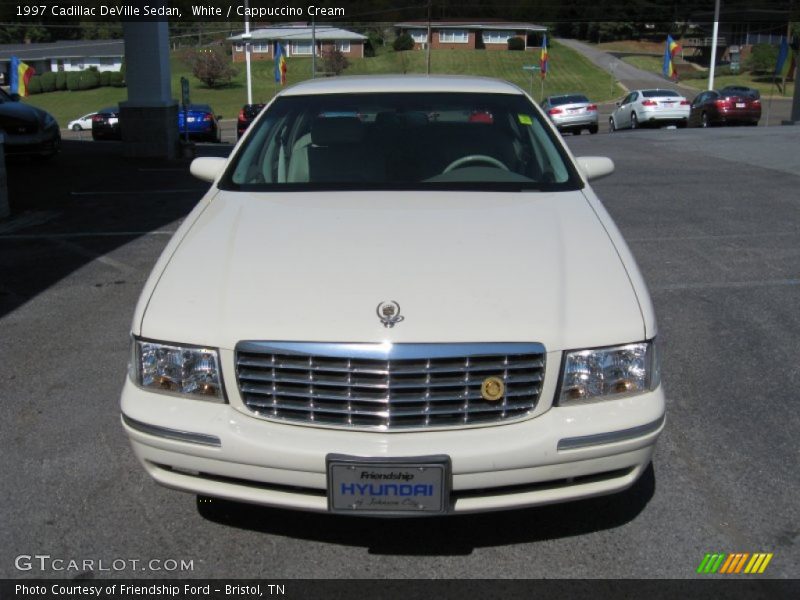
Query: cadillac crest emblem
pixel 389 313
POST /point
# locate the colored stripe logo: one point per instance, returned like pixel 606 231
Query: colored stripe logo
pixel 734 564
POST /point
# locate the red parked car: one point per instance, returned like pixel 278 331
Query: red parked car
pixel 246 116
pixel 725 106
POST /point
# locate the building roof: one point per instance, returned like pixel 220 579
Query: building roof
pixel 295 33
pixel 63 49
pixel 485 24
pixel 401 83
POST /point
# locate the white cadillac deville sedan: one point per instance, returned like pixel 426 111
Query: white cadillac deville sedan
pixel 399 297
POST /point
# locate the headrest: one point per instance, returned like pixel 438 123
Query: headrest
pixel 326 131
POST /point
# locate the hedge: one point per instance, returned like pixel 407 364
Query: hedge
pixel 48 81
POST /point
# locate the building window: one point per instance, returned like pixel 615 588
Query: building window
pixel 301 48
pixel 262 48
pixel 420 36
pixel 343 45
pixel 497 37
pixel 238 47
pixel 453 36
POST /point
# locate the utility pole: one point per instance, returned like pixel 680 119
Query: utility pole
pixel 428 45
pixel 313 48
pixel 714 46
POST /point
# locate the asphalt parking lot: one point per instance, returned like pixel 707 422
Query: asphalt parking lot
pixel 712 216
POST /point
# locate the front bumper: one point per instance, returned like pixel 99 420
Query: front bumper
pixel 563 454
pixel 42 143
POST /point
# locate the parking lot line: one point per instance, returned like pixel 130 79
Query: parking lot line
pixel 724 285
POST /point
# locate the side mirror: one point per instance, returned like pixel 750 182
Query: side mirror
pixel 207 168
pixel 595 167
pixel 617 103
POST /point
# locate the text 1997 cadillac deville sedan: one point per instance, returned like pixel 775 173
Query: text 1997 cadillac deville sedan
pixel 399 297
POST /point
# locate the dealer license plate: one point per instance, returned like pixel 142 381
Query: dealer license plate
pixel 388 486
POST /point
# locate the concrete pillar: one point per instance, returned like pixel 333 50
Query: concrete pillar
pixel 5 208
pixel 149 118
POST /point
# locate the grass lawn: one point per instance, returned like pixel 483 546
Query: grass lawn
pixel 569 72
pixel 699 79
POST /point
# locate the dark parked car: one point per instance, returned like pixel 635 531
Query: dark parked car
pixel 28 130
pixel 724 106
pixel 246 116
pixel 201 122
pixel 105 124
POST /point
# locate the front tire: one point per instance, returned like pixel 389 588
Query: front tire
pixel 612 126
pixel 77 127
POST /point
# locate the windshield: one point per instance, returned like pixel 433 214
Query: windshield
pixel 401 141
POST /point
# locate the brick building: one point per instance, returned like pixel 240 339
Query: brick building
pixel 297 41
pixel 472 35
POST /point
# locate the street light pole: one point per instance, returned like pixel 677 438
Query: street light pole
pixel 246 38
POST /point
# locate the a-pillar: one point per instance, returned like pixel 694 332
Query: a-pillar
pixel 149 118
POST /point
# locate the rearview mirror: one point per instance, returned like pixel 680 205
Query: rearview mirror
pixel 207 168
pixel 595 167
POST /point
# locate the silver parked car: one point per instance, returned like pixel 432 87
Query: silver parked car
pixel 650 107
pixel 571 112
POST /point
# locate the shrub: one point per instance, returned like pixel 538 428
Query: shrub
pixel 82 80
pixel 117 79
pixel 212 66
pixel 333 61
pixel 516 43
pixel 48 81
pixel 763 58
pixel 374 41
pixel 402 42
pixel 61 80
pixel 105 78
pixel 35 85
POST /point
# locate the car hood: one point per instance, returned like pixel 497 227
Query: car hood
pixel 17 114
pixel 463 267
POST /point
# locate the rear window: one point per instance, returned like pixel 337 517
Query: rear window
pixel 574 99
pixel 390 141
pixel 660 94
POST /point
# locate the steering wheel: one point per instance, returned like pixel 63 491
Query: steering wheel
pixel 474 158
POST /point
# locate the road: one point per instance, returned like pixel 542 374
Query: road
pixel 712 218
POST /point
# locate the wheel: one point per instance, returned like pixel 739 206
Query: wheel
pixel 77 127
pixel 634 121
pixel 593 129
pixel 612 127
pixel 704 120
pixel 576 131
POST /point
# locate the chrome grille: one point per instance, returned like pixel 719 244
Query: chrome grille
pixel 388 387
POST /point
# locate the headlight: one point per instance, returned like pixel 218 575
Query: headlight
pixel 185 370
pixel 606 373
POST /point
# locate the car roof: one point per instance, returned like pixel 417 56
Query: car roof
pixel 401 83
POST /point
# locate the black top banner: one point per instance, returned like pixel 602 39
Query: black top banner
pixel 46 12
